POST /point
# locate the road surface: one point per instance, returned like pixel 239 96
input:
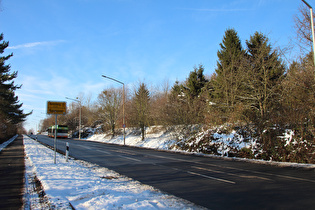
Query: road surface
pixel 210 182
pixel 12 175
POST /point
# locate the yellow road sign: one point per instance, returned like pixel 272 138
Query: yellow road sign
pixel 56 107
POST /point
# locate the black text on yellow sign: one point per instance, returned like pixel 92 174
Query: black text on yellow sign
pixel 56 107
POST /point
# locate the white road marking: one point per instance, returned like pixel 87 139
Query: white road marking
pixel 218 166
pixel 231 174
pixel 169 158
pixel 210 177
pixel 202 175
pixel 90 148
pixel 239 169
pixel 125 152
pixel 263 173
pixel 134 159
pixel 85 147
pixel 102 151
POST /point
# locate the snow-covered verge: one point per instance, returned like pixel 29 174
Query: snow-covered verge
pixel 4 144
pixel 214 142
pixel 182 138
pixel 156 138
pixel 81 185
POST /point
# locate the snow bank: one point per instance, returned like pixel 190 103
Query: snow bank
pixel 83 185
pixel 213 142
pixel 3 145
pixel 156 138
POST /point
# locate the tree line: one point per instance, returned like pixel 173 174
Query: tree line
pixel 252 88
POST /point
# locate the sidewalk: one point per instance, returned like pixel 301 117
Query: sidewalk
pixel 12 175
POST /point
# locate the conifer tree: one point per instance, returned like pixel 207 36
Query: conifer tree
pixel 176 110
pixel 193 89
pixel 141 102
pixel 185 103
pixel 265 71
pixel 10 108
pixel 228 72
pixel 196 81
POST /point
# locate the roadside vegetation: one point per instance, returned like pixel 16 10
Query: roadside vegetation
pixel 254 92
pixel 11 113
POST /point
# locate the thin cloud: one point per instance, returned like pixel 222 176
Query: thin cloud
pixel 35 44
pixel 216 10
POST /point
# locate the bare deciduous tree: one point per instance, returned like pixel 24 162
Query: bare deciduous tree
pixel 110 101
pixel 303 29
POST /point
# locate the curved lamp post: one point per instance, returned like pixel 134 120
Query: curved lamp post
pixel 124 123
pixel 80 115
pixel 312 25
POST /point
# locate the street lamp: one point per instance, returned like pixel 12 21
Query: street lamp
pixel 312 24
pixel 124 123
pixel 79 113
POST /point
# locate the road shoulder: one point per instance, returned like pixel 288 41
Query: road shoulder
pixel 12 175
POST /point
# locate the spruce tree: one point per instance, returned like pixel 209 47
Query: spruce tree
pixel 141 100
pixel 196 81
pixel 11 113
pixel 227 82
pixel 263 93
pixel 265 72
pixel 176 110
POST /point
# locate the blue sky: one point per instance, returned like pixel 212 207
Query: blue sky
pixel 61 48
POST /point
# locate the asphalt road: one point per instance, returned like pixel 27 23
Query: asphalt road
pixel 210 182
pixel 12 175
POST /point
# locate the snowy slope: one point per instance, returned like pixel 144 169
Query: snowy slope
pixel 158 137
pixel 223 143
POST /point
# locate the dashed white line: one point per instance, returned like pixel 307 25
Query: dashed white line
pixel 231 174
pixel 262 173
pixel 209 164
pixel 102 151
pixel 134 159
pixel 210 177
pixel 202 175
pixel 239 169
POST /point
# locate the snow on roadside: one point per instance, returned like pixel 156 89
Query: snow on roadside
pixel 83 185
pixel 164 140
pixel 159 139
pixel 5 144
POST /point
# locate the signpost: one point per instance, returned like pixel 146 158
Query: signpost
pixel 56 107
